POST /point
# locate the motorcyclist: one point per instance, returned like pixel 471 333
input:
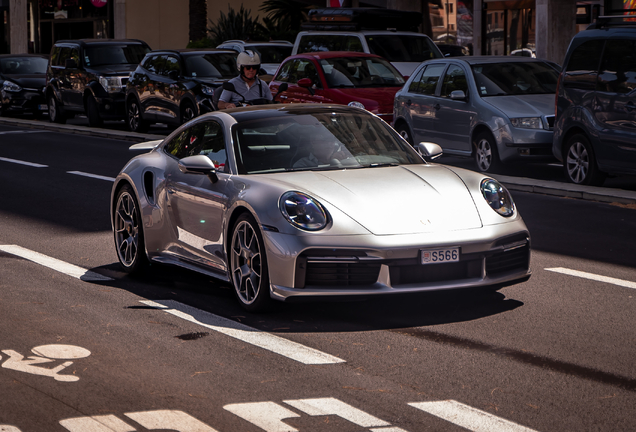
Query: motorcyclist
pixel 247 84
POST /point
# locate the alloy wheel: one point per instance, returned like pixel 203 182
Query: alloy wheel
pixel 577 162
pixel 246 262
pixel 127 229
pixel 52 108
pixel 133 116
pixel 483 154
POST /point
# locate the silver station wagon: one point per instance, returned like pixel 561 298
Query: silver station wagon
pixel 494 109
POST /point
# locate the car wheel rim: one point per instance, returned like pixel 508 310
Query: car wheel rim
pixel 133 116
pixel 246 262
pixel 52 109
pixel 484 154
pixel 578 162
pixel 126 229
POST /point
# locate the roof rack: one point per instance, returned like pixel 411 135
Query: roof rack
pixel 613 21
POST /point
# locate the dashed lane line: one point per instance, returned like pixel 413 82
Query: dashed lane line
pixel 95 176
pixel 595 277
pixel 31 164
pixel 270 342
pixel 54 263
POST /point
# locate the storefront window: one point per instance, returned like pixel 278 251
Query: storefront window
pixel 72 9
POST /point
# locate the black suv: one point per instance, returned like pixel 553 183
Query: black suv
pixel 595 127
pixel 174 86
pixel 89 76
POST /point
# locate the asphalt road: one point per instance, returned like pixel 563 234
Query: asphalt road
pixel 86 348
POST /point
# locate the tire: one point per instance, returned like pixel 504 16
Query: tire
pixel 579 162
pixel 248 265
pixel 128 231
pixel 55 112
pixel 485 153
pixel 405 132
pixel 187 112
pixel 133 117
pixel 92 112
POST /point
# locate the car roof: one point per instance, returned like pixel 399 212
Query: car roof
pixel 333 54
pixel 471 60
pixel 187 51
pixel 363 32
pixel 273 43
pixel 85 42
pixel 278 110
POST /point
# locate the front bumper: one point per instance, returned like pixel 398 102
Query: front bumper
pixel 517 144
pixel 23 101
pixel 113 106
pixel 367 265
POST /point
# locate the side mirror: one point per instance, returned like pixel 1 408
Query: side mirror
pixel 306 83
pixel 229 86
pixel 198 164
pixel 281 88
pixel 429 151
pixel 70 63
pixel 458 95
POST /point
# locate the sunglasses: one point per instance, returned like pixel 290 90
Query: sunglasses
pixel 251 67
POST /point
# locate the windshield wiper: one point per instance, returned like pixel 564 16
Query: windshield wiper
pixel 383 164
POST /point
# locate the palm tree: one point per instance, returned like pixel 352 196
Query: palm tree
pixel 198 20
pixel 286 15
pixel 236 25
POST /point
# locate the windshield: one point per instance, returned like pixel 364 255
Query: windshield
pixel 272 53
pixel 360 72
pixel 502 79
pixel 23 65
pixel 318 141
pixel 403 48
pixel 220 65
pixel 114 54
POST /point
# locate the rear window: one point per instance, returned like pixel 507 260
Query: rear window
pixel 23 65
pixel 582 67
pixel 403 48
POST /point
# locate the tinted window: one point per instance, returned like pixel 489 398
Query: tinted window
pixel 285 72
pixel 454 79
pixel 500 79
pixel 55 55
pixel 618 69
pixel 171 65
pixel 151 64
pixel 403 48
pixel 360 72
pixel 23 65
pixel 414 86
pixel 65 53
pixel 313 43
pixel 221 65
pixel 304 69
pixel 429 80
pixel 178 146
pixel 204 138
pixel 583 65
pixel 114 54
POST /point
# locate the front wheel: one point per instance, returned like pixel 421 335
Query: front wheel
pixel 92 112
pixel 128 230
pixel 486 154
pixel 580 164
pixel 248 265
pixel 55 112
pixel 135 122
pixel 404 131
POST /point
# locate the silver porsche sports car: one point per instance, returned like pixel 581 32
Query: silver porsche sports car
pixel 310 200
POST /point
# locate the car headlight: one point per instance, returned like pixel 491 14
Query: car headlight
pixel 111 84
pixel 356 104
pixel 527 122
pixel 497 197
pixel 303 211
pixel 11 87
pixel 208 91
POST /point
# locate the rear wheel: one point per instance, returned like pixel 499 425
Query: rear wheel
pixel 133 115
pixel 404 131
pixel 248 265
pixel 128 230
pixel 55 112
pixel 580 164
pixel 92 112
pixel 486 154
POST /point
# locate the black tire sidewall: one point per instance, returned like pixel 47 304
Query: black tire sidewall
pixel 141 260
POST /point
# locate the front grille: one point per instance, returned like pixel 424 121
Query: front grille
pixel 341 274
pixel 550 120
pixel 507 261
pixel 418 273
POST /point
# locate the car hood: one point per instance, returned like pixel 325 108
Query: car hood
pixel 418 199
pixel 35 81
pixel 118 69
pixel 534 105
pixel 370 97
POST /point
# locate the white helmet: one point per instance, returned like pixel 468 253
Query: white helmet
pixel 248 58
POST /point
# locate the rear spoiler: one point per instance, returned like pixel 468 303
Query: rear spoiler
pixel 148 145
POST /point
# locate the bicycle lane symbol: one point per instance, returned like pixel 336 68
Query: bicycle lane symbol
pixel 45 354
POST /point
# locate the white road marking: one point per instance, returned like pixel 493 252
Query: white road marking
pixel 95 176
pixel 592 276
pixel 170 420
pixel 17 362
pixel 21 132
pixel 105 423
pixel 270 342
pixel 53 263
pixel 266 415
pixel 469 417
pixel 31 164
pixel 332 406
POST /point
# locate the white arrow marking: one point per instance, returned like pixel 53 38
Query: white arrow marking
pixel 105 423
pixel 469 417
pixel 592 276
pixel 265 415
pixel 270 342
pixel 332 406
pixel 169 419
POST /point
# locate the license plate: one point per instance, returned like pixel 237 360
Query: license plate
pixel 43 107
pixel 438 256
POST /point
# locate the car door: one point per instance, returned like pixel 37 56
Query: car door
pixel 615 104
pixel 453 118
pixel 165 93
pixel 146 82
pixel 196 204
pixel 293 71
pixel 423 100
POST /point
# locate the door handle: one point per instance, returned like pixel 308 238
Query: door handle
pixel 437 107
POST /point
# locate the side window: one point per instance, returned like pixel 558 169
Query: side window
pixel 55 56
pixel 430 78
pixel 150 64
pixel 171 65
pixel 213 145
pixel 65 53
pixel 178 147
pixel 581 70
pixel 284 73
pixel 306 69
pixel 75 55
pixel 415 83
pixel 454 79
pixel 618 68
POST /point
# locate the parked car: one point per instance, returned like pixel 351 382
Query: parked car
pixel 494 109
pixel 349 78
pixel 174 86
pixel 89 76
pixel 227 196
pixel 22 81
pixel 271 53
pixel 595 129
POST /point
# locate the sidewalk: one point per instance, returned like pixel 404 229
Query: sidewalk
pixel 523 184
